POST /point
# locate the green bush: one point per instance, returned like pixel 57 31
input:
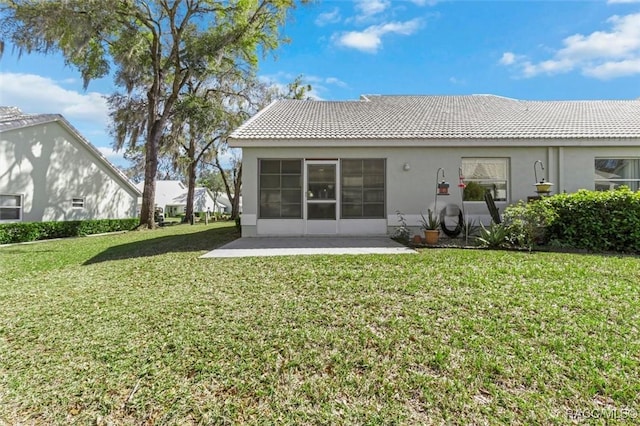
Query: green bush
pixel 597 221
pixel 592 220
pixel 527 223
pixel 32 231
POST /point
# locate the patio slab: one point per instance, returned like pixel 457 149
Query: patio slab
pixel 296 246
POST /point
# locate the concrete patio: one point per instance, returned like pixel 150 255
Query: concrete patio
pixel 296 246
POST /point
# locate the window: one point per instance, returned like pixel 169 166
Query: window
pixel 363 189
pixel 280 189
pixel 10 207
pixel 77 203
pixel 611 173
pixel 482 174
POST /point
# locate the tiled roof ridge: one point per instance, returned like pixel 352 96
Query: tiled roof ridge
pixel 12 117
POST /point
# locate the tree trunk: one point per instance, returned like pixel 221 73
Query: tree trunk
pixel 151 168
pixel 191 181
pixel 237 184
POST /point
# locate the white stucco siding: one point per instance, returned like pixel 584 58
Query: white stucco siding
pixel 412 192
pixel 579 167
pixel 50 167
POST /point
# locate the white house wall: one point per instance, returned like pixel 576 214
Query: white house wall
pixel 579 170
pixel 48 166
pixel 413 192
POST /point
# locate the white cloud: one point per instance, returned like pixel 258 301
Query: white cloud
pixel 369 8
pixel 336 82
pixel 366 41
pixel 508 58
pixel 601 54
pixel 36 94
pixel 327 18
pixel 370 39
pixel 87 112
pixel 115 157
pixel 610 70
pixel 319 85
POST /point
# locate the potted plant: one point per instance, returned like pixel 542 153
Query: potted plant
pixel 430 227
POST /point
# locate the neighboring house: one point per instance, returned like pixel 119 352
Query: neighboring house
pixel 347 167
pixel 171 196
pixel 49 172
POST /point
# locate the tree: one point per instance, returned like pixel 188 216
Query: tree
pixel 156 46
pixel 204 114
pixel 259 98
pixel 212 180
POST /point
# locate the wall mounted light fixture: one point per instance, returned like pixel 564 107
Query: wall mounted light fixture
pixel 406 167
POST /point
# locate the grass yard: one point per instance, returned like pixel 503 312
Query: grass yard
pixel 135 329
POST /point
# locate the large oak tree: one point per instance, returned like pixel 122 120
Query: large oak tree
pixel 154 48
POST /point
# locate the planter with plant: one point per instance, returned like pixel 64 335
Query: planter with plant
pixel 430 226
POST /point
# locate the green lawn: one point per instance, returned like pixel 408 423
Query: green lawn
pixel 135 329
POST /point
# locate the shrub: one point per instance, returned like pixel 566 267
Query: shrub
pixel 527 223
pixel 32 231
pixel 402 233
pixel 495 236
pixel 597 221
pixel 469 227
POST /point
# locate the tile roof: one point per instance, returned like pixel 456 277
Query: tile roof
pixel 14 118
pixel 443 117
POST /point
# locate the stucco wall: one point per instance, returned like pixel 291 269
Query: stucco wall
pixel 579 170
pixel 412 192
pixel 49 166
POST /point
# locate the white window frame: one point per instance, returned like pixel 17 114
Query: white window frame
pixel 506 179
pixel 19 207
pixel 77 202
pixel 614 182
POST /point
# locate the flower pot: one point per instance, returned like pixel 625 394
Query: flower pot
pixel 417 239
pixel 431 236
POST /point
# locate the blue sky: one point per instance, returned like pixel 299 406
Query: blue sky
pixel 518 49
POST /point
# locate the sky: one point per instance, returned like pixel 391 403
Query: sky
pixel 522 49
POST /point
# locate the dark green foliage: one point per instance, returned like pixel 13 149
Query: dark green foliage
pixel 473 191
pixel 592 220
pixel 238 223
pixel 597 221
pixel 32 231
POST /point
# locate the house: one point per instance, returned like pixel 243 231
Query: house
pixel 348 167
pixel 171 196
pixel 50 172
